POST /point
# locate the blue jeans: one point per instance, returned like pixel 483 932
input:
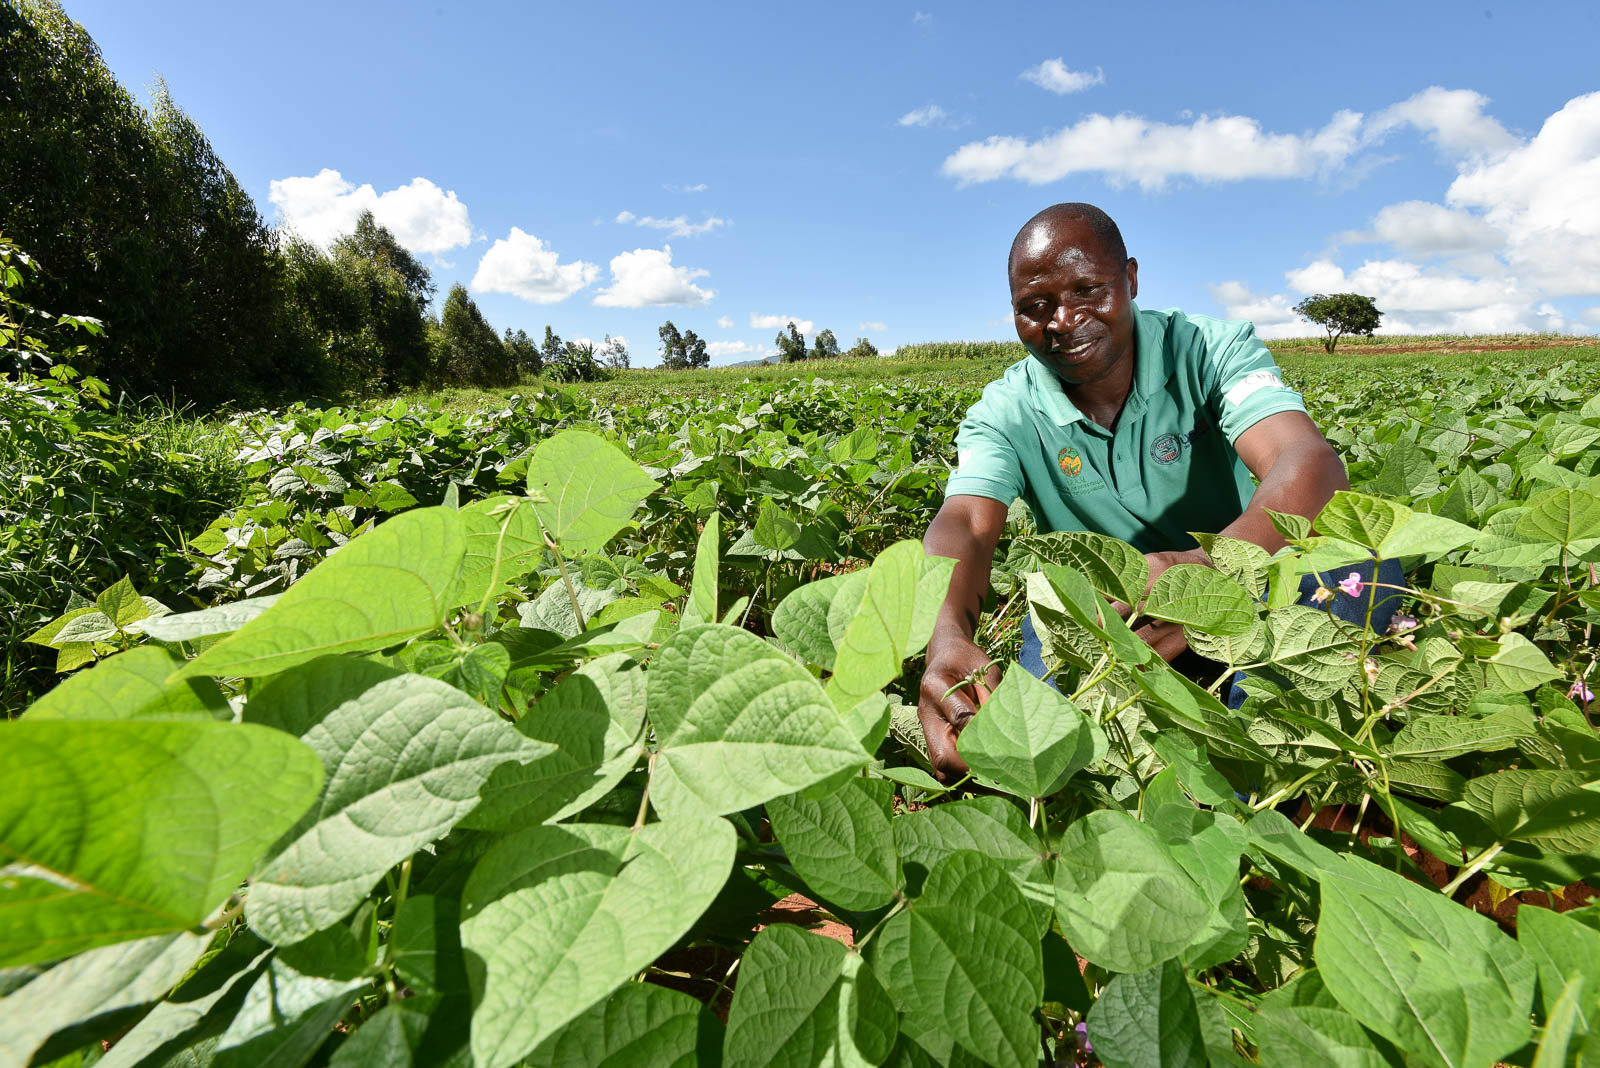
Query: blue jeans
pixel 1342 606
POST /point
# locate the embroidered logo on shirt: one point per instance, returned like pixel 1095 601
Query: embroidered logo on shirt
pixel 1071 463
pixel 1168 448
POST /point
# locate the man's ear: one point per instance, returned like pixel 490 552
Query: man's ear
pixel 1133 277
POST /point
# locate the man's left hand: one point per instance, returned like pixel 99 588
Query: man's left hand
pixel 1159 562
pixel 1167 638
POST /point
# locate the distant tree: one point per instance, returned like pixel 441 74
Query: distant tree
pixel 613 353
pixel 862 349
pixel 671 346
pixel 523 350
pixel 134 219
pixel 694 350
pixel 553 348
pixel 791 345
pixel 682 351
pixel 358 316
pixel 825 347
pixel 373 242
pixel 1340 314
pixel 476 354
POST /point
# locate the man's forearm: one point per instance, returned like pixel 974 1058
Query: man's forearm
pixel 1300 482
pixel 958 616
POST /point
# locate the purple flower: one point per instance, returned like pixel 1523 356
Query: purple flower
pixel 1353 585
pixel 1082 1031
pixel 1580 692
pixel 1403 623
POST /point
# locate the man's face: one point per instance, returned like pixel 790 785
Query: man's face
pixel 1073 301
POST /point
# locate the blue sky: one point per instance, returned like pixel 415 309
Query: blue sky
pixel 604 167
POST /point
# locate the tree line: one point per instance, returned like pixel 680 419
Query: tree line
pixel 132 218
pixel 791 345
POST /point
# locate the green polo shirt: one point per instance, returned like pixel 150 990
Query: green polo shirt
pixel 1169 467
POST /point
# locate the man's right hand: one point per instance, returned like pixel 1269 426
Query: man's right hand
pixel 951 663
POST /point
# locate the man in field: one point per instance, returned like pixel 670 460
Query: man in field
pixel 1138 424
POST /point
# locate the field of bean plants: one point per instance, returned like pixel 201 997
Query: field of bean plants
pixel 594 744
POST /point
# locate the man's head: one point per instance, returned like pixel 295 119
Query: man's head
pixel 1072 290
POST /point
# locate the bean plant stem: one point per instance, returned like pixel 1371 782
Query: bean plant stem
pixel 561 566
pixel 1101 670
pixel 499 549
pixel 405 884
pixel 723 985
pixel 644 798
pixel 1288 791
pixel 233 912
pixel 1471 868
pixel 900 903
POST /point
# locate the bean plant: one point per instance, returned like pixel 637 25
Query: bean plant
pixel 448 798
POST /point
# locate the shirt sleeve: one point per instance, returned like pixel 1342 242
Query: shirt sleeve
pixel 1246 385
pixel 987 463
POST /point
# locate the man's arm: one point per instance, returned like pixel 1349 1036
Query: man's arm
pixel 1298 472
pixel 966 529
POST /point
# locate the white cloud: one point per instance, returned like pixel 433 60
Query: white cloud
pixel 1053 75
pixel 922 18
pixel 728 348
pixel 1131 148
pixel 1401 285
pixel 924 116
pixel 679 226
pixel 1591 315
pixel 1542 196
pixel 871 326
pixel 1519 225
pixel 1452 118
pixel 1425 229
pixel 646 277
pixel 780 322
pixel 521 265
pixel 324 206
pixel 725 321
pixel 1272 314
pixel 1432 299
pixel 698 187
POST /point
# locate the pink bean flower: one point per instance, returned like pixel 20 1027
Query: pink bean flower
pixel 1580 692
pixel 1402 623
pixel 1353 585
pixel 1321 595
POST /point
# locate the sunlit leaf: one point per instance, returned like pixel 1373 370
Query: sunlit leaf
pixel 135 828
pixel 590 489
pixel 553 915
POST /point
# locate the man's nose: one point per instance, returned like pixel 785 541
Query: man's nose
pixel 1067 318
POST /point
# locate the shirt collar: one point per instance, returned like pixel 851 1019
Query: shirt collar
pixel 1155 360
pixel 1153 366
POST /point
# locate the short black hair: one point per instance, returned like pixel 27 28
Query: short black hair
pixel 1101 225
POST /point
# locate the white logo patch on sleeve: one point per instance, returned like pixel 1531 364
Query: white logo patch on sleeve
pixel 1250 385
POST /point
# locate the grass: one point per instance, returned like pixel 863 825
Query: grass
pixel 972 364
